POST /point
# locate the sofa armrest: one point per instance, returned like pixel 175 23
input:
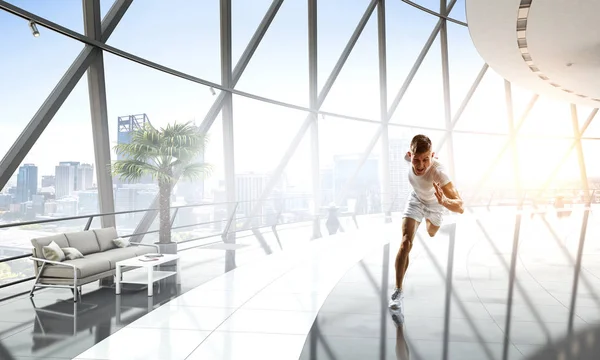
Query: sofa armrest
pixel 46 261
pixel 147 245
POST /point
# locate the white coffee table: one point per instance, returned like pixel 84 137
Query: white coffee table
pixel 136 277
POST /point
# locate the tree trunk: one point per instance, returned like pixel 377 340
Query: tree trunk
pixel 164 190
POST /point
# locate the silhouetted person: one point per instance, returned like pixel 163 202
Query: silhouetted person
pixel 333 222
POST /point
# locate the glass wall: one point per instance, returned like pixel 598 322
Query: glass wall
pixel 459 104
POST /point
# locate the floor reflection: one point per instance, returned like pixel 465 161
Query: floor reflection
pixel 63 328
pixel 494 286
pixel 50 325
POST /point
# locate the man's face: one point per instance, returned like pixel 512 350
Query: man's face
pixel 420 162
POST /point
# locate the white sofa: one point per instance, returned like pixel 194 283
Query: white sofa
pixel 100 256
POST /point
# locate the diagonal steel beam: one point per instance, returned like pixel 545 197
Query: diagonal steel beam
pixel 309 119
pixel 243 62
pixel 463 105
pixel 28 137
pixel 567 153
pixel 588 121
pixel 99 114
pixel 491 167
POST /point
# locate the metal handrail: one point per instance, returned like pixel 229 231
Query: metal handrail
pixel 228 228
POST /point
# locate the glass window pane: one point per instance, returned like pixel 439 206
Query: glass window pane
pixel 356 89
pixel 279 67
pixel 31 68
pixel 67 13
pixel 459 12
pixel 423 102
pixel 464 63
pixel 486 110
pixel 408 28
pixel 184 37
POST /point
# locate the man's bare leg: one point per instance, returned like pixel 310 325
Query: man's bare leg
pixel 409 229
pixel 431 229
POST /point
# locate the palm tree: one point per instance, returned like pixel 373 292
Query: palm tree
pixel 166 155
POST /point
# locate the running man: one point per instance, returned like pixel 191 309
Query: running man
pixel 432 192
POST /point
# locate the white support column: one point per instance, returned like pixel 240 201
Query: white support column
pixel 227 116
pixel 314 128
pixel 386 189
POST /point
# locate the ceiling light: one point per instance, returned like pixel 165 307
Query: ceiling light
pixel 212 91
pixel 34 29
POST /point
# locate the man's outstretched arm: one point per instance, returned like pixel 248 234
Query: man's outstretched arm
pixel 449 198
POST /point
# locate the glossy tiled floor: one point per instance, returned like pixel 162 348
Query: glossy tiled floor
pixel 328 300
pixel 468 317
pixel 52 327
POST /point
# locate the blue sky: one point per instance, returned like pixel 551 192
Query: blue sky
pixel 185 35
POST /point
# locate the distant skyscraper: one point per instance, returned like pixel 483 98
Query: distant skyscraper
pixel 27 180
pixel 48 180
pixel 126 125
pixel 192 191
pixel 65 174
pixel 88 202
pixel 399 169
pixel 85 177
pixel 249 187
pixel 365 187
pixel 75 165
pixel 38 202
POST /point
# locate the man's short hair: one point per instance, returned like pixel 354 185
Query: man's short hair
pixel 420 144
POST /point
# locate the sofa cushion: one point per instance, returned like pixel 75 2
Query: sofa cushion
pixel 84 241
pixel 87 266
pixel 71 253
pixel 121 242
pixel 105 238
pixel 53 252
pixel 115 255
pixel 39 243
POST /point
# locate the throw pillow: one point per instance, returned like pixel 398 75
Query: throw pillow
pixel 72 253
pixel 53 252
pixel 121 242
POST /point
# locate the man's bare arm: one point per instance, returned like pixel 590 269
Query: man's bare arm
pixel 449 198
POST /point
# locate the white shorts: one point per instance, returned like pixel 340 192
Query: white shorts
pixel 417 209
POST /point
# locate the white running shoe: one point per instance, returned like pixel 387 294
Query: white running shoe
pixel 396 300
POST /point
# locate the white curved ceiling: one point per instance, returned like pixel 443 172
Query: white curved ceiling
pixel 549 46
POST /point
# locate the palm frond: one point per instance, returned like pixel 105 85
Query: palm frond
pixel 136 151
pixel 196 171
pixel 175 146
pixel 131 170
